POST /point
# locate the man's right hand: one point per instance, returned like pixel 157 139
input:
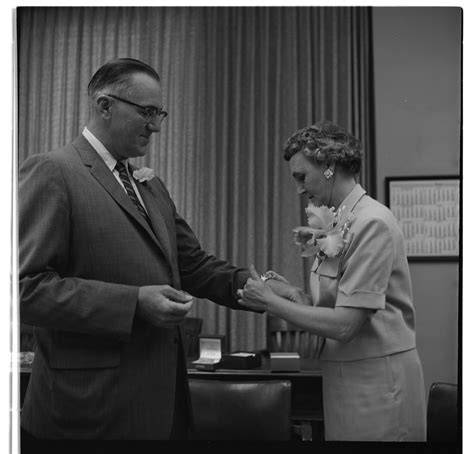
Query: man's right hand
pixel 162 305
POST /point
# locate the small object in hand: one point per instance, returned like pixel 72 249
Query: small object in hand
pixel 187 294
pixel 271 275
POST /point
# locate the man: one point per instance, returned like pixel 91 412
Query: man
pixel 103 259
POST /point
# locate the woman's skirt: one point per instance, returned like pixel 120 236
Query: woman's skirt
pixel 375 399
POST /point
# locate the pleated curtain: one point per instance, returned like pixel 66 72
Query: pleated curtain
pixel 237 82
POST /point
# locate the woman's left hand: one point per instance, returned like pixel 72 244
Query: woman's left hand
pixel 255 293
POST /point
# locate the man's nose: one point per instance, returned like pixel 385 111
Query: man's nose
pixel 154 124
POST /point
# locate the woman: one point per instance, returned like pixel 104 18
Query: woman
pixel 361 298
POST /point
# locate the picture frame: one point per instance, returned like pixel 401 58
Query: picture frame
pixel 428 211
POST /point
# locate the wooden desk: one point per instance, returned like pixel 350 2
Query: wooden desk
pixel 306 395
pixel 306 385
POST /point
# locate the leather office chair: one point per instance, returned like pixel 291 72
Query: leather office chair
pixel 442 417
pixel 244 410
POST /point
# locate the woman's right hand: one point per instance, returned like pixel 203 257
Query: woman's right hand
pixel 289 292
pixel 255 294
pixel 283 289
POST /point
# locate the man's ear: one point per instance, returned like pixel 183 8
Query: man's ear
pixel 103 105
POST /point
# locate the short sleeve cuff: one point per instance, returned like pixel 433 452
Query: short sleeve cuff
pixel 365 300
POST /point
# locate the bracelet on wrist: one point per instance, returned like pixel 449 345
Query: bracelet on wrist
pixel 271 275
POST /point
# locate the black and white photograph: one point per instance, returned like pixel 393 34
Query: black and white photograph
pixel 237 222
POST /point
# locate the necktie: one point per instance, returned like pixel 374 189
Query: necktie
pixel 120 167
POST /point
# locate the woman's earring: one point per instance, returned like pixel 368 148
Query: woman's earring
pixel 328 173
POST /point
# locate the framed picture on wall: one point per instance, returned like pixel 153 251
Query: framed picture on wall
pixel 427 209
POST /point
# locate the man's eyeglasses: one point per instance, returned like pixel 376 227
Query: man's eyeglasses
pixel 150 113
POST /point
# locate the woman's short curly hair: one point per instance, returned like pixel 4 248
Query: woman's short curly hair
pixel 326 142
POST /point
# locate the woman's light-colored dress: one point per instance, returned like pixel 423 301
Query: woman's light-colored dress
pixel 373 388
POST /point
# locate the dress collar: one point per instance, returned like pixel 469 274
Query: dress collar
pixel 350 201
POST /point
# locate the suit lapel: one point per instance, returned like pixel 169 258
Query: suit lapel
pixel 153 204
pixel 105 177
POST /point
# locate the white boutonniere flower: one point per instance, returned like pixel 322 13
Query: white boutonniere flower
pixel 143 174
pixel 325 235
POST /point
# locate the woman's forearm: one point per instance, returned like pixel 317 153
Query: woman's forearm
pixel 289 292
pixel 290 303
pixel 340 323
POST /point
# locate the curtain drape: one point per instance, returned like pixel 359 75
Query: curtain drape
pixel 237 82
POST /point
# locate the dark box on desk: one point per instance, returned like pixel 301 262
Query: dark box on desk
pixel 241 360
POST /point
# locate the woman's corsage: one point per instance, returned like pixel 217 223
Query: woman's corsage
pixel 143 174
pixel 325 235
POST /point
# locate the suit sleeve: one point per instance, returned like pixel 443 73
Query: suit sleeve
pixel 49 297
pixel 202 274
